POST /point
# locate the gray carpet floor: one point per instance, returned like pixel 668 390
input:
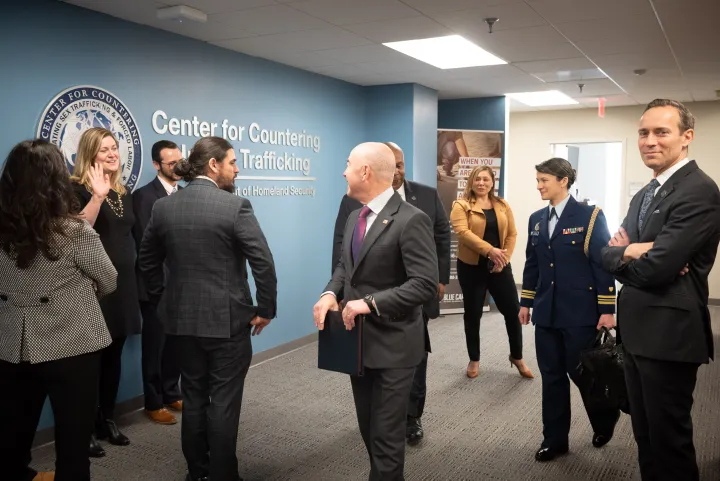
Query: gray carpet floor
pixel 298 423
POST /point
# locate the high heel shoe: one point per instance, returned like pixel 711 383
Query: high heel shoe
pixel 472 372
pixel 96 451
pixel 521 367
pixel 107 429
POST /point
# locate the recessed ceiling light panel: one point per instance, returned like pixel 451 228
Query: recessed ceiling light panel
pixel 543 98
pixel 448 52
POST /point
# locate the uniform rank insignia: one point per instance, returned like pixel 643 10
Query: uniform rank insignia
pixel 573 230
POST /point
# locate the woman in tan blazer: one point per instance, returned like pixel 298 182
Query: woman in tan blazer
pixel 486 233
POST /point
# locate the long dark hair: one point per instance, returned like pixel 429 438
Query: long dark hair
pixel 35 194
pixel 197 163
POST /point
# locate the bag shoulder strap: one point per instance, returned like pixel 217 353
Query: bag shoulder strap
pixel 588 236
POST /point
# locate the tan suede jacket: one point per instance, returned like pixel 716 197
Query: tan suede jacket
pixel 468 222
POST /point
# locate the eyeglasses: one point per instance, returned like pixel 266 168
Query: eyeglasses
pixel 173 163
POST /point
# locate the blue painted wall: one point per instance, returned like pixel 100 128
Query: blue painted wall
pixel 389 118
pixel 425 124
pixel 148 69
pixel 487 113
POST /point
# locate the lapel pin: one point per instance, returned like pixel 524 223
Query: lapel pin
pixel 663 194
pixel 414 198
pixel 385 221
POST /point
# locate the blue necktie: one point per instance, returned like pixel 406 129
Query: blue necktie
pixel 647 199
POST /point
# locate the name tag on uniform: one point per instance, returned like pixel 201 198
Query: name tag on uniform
pixel 573 230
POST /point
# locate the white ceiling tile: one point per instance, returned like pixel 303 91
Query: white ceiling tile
pixel 559 65
pixel 703 95
pixel 395 30
pixel 629 29
pixel 367 54
pixel 211 7
pixel 349 12
pixel 617 35
pixel 660 58
pixel 561 11
pixel 647 96
pixel 297 41
pixel 303 60
pixel 142 12
pixel 430 7
pixel 709 66
pixel 510 15
pixel 577 75
pixel 523 44
pixel 610 101
pixel 270 20
pixel 591 88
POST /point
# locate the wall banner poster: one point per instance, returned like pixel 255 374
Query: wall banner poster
pixel 459 151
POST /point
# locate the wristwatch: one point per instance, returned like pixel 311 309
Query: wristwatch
pixel 370 301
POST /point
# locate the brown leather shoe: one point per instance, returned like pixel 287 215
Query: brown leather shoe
pixel 473 369
pixel 176 406
pixel 161 416
pixel 46 476
pixel 521 367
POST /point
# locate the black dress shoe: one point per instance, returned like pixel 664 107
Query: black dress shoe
pixel 600 440
pixel 414 431
pixel 107 429
pixel 96 451
pixel 190 478
pixel 548 454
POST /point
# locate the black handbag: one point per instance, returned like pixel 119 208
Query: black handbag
pixel 601 374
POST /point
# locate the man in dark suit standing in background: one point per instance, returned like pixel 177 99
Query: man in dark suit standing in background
pixel 160 368
pixel 207 235
pixel 387 271
pixel 426 199
pixel 662 255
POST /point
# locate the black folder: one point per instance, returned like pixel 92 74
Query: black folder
pixel 341 350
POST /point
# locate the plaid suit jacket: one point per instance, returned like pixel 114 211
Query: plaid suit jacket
pixel 208 236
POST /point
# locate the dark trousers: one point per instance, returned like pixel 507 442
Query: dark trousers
pixel 418 390
pixel 381 398
pixel 474 282
pixel 558 355
pixel 212 379
pixel 110 370
pixel 71 384
pixel 661 399
pixel 160 366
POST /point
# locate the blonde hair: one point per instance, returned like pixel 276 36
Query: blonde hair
pixel 88 148
pixel 469 194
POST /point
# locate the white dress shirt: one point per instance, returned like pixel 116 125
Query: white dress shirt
pixel 206 178
pixel 401 191
pixel 662 178
pixel 376 205
pixel 558 211
pixel 170 189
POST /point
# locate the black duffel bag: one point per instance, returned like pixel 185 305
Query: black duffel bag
pixel 602 378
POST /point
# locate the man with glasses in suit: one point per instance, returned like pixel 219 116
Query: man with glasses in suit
pixel 160 369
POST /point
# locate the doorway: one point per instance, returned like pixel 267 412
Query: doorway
pixel 599 175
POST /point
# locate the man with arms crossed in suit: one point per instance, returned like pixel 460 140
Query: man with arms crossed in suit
pixel 387 271
pixel 426 199
pixel 207 234
pixel 160 368
pixel 662 255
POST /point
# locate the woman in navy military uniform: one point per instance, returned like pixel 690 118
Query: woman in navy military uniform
pixel 571 297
